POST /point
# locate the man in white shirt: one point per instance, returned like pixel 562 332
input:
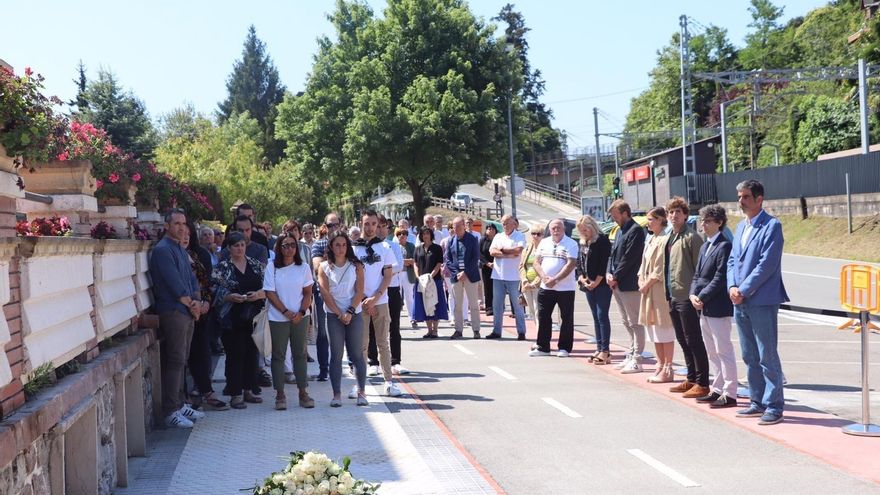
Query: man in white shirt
pixel 555 263
pixel 395 304
pixel 378 263
pixel 440 230
pixel 506 248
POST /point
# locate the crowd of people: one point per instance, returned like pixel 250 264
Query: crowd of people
pixel 347 288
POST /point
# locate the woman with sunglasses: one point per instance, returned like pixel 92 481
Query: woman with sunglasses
pixel 341 281
pixel 288 285
pixel 529 281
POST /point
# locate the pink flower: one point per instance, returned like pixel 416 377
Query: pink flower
pixel 63 156
pixel 136 177
pixel 98 183
pixel 28 72
pixel 114 177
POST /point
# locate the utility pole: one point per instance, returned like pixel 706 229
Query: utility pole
pixel 687 114
pixel 598 158
pixel 863 106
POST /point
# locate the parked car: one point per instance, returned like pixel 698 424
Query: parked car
pixel 461 200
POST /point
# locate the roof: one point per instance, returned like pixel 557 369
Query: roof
pixel 667 151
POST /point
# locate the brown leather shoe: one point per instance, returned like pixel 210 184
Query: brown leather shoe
pixel 682 387
pixel 697 391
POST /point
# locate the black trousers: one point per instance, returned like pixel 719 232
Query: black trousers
pixel 395 305
pixel 241 359
pixel 547 301
pixel 487 287
pixel 199 361
pixel 686 321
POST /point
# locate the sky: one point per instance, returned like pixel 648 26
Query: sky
pixel 592 53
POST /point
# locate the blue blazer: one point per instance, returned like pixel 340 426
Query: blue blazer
pixel 757 268
pixel 710 279
pixel 471 257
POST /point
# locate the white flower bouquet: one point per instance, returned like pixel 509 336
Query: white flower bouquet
pixel 313 473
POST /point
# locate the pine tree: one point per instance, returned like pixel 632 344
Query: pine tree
pixel 254 87
pixel 80 102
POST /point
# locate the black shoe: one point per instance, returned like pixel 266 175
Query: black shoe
pixel 264 380
pixel 493 335
pixel 709 398
pixel 455 336
pixel 256 390
pixel 310 359
pixel 722 402
pixel 521 336
pixel 489 312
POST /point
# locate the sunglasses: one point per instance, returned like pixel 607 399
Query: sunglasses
pixel 537 234
pixel 332 225
pixel 289 245
pixel 400 234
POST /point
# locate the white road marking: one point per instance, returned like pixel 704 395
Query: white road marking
pixel 663 468
pixel 852 363
pixel 503 373
pixel 463 349
pixel 565 410
pixel 811 275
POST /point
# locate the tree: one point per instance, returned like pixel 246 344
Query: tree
pixel 229 158
pixel 829 125
pixel 183 122
pixel 254 87
pixel 405 99
pixel 121 114
pixel 540 136
pixel 80 102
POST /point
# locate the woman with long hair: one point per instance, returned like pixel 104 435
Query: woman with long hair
pixel 341 279
pixel 238 284
pixel 595 248
pixel 529 282
pixel 653 306
pixel 288 285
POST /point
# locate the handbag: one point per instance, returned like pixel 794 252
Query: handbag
pixel 261 334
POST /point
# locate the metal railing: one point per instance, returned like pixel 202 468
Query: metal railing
pixel 536 190
pixel 471 209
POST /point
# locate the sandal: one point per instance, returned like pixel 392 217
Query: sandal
pixel 305 401
pixel 280 402
pixel 237 402
pixel 604 357
pixel 213 403
pixel 594 356
pixel 252 398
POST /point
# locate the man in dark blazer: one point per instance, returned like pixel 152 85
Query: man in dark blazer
pixel 708 295
pixel 754 283
pixel 462 259
pixel 623 277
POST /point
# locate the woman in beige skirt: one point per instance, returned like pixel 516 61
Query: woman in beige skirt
pixel 653 306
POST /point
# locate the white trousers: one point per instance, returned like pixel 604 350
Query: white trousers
pixel 719 348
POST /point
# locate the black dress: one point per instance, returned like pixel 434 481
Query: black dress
pixel 486 272
pixel 241 352
pixel 426 260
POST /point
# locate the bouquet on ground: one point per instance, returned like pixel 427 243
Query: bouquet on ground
pixel 314 473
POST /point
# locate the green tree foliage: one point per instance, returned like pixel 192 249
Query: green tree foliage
pixel 254 87
pixel 537 134
pixel 404 99
pixel 829 125
pixel 229 157
pixel 120 113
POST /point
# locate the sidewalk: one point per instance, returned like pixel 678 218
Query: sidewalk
pixel 395 441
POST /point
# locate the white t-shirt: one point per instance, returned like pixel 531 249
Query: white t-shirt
pixel 507 268
pixel 287 283
pixel 342 280
pixel 554 257
pixel 395 248
pixel 382 257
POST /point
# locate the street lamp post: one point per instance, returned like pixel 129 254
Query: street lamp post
pixel 511 48
pixel 724 132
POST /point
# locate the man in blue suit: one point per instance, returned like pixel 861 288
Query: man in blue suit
pixel 754 283
pixel 462 259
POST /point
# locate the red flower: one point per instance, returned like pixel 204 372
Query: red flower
pixel 64 156
pixel 114 177
pixel 28 72
pixel 98 183
pixel 136 177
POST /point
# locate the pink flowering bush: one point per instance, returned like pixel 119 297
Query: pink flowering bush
pixel 29 128
pixel 103 230
pixel 54 226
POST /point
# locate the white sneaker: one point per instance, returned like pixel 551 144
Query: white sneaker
pixel 399 370
pixel 632 367
pixel 538 352
pixel 562 353
pixel 623 364
pixel 351 373
pixel 176 420
pixel 353 393
pixel 373 370
pixel 555 327
pixel 189 413
pixel 391 390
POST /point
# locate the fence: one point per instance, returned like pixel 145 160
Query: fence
pixel 534 189
pixel 471 209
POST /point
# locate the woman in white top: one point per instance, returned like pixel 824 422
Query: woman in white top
pixel 341 279
pixel 288 285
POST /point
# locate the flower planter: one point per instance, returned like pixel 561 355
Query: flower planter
pixel 56 177
pixel 116 200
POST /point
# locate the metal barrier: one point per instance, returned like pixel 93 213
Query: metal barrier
pixel 536 189
pixel 471 209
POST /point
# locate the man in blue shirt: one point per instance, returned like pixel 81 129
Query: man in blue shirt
pixel 176 294
pixel 754 284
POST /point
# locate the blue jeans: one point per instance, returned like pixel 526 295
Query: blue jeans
pixel 499 289
pixel 599 300
pixel 350 337
pixel 757 338
pixel 322 342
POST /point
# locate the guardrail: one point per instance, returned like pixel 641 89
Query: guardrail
pixel 471 209
pixel 536 190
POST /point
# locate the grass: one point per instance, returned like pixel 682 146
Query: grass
pixel 828 238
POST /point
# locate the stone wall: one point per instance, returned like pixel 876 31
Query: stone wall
pixel 863 205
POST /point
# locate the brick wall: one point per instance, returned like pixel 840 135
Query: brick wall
pixel 12 395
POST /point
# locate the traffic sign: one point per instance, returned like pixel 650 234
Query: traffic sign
pixel 554 172
pixel 860 288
